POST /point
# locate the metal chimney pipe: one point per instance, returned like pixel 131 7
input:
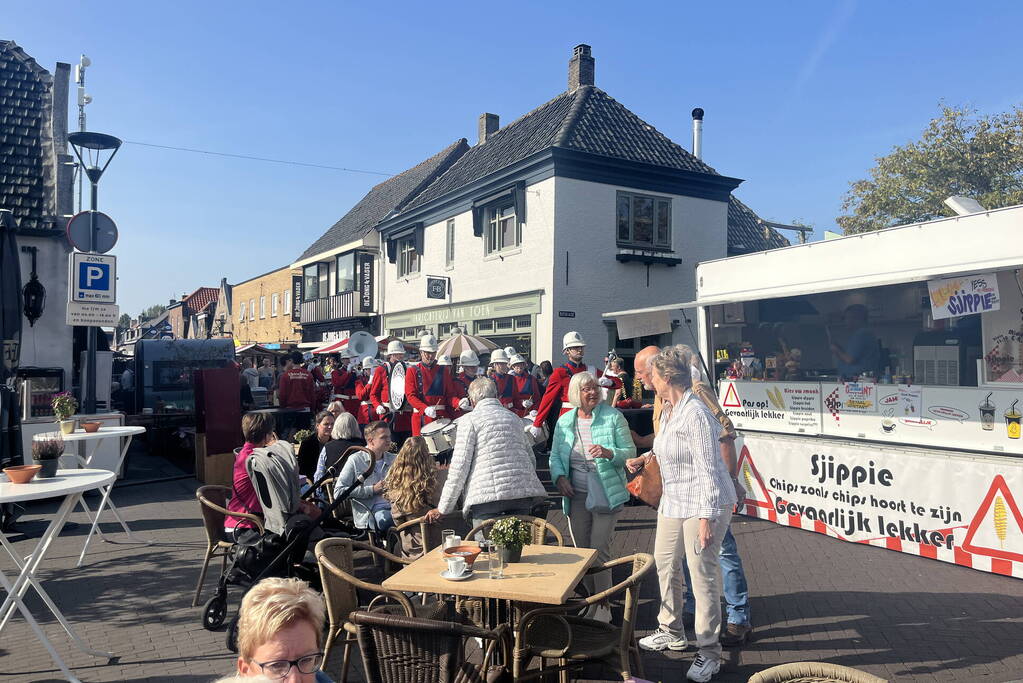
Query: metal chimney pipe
pixel 698 133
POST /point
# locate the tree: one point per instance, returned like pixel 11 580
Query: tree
pixel 959 153
pixel 124 322
pixel 152 312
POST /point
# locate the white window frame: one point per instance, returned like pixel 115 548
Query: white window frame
pixel 661 207
pixel 252 309
pixel 408 260
pixel 262 307
pixel 497 215
pixel 241 316
pixel 287 302
pixel 274 303
pixel 449 248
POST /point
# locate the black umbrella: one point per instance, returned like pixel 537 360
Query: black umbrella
pixel 10 339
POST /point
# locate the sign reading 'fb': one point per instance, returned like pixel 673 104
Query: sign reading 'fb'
pixel 93 278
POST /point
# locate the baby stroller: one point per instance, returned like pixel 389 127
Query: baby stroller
pixel 281 550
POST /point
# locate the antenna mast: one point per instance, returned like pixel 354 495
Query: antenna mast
pixel 83 99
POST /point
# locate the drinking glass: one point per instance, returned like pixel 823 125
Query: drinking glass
pixel 445 536
pixel 496 562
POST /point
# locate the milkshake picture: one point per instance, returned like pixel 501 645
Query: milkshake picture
pixel 987 414
pixel 1012 421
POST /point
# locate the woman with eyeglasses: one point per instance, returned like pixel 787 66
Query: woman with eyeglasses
pixel 279 630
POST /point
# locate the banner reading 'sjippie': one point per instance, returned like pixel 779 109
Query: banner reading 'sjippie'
pixel 946 507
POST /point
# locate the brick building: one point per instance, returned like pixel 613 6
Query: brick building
pixel 261 308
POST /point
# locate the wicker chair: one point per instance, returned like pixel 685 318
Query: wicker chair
pixel 813 672
pixel 541 528
pixel 556 633
pixel 335 557
pixel 213 503
pixel 427 531
pixel 399 649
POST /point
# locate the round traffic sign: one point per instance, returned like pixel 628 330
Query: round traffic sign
pixel 78 232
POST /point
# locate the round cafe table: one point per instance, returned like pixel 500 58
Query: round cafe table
pixel 92 441
pixel 69 484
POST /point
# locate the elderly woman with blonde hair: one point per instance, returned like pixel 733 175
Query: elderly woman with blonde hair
pixel 591 444
pixel 280 626
pixel 693 516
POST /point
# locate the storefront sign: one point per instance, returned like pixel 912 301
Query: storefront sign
pixel 643 324
pixel 859 397
pixel 790 408
pixel 296 298
pixel 953 297
pixel 436 288
pixel 964 510
pixel 520 304
pixel 365 282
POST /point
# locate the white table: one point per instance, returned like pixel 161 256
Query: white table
pixel 80 435
pixel 70 484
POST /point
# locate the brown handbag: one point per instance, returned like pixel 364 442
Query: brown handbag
pixel 647 485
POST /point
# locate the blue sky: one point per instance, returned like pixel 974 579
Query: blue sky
pixel 800 98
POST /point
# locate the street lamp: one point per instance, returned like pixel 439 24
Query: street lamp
pixel 93 146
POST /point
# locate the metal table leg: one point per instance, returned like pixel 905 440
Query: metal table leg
pixel 106 502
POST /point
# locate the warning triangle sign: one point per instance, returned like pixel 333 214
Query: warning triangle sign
pixel 997 528
pixel 731 398
pixel 756 494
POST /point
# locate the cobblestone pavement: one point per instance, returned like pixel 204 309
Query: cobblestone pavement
pixel 813 598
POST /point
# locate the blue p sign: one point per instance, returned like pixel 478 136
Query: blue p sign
pixel 95 276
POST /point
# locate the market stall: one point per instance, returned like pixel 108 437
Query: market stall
pixel 877 383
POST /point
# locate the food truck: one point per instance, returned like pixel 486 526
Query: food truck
pixel 876 381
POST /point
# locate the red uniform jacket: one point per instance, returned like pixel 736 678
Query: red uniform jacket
pixel 455 389
pixel 525 387
pixel 505 390
pixel 557 389
pixel 343 383
pixel 362 394
pixel 380 395
pixel 297 389
pixel 424 387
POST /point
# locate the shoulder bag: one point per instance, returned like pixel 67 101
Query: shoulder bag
pixel 647 485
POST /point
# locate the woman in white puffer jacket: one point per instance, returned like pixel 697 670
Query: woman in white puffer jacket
pixel 493 467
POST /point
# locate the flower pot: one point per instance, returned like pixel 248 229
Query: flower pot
pixel 67 426
pixel 511 553
pixel 48 468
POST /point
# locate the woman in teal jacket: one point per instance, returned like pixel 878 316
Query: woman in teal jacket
pixel 591 444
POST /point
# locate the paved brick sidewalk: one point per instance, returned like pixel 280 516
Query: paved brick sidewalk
pixel 814 598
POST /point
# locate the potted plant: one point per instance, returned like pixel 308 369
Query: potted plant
pixel 300 436
pixel 64 406
pixel 46 451
pixel 509 534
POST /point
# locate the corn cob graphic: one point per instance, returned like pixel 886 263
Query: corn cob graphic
pixel 1000 521
pixel 749 479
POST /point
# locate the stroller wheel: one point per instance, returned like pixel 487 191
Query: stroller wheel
pixel 214 612
pixel 232 634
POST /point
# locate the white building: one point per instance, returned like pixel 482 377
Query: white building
pixel 576 208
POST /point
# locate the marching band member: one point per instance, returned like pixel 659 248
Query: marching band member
pixel 343 379
pixel 505 386
pixel 424 386
pixel 526 391
pixel 380 392
pixel 362 384
pixel 457 392
pixel 573 347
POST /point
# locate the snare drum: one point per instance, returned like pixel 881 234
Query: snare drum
pixel 544 431
pixel 433 434
pixel 449 434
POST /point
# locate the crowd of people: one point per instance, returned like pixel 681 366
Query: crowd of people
pixel 501 417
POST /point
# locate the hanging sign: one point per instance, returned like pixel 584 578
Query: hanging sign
pixel 956 296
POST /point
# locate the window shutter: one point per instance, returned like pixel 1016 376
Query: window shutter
pixel 392 250
pixel 478 219
pixel 418 239
pixel 520 202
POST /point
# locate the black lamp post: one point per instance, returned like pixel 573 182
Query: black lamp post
pixel 93 146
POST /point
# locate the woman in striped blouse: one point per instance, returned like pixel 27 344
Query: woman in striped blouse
pixel 694 512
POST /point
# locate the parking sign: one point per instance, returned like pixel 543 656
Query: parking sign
pixel 93 278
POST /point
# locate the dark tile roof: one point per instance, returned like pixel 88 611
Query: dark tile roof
pixel 385 198
pixel 747 232
pixel 24 91
pixel 586 120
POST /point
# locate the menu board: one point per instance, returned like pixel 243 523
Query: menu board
pixel 1003 334
pixel 783 407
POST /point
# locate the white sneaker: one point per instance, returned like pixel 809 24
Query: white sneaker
pixel 663 639
pixel 703 668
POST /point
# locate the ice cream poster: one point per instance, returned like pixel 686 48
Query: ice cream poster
pixel 956 296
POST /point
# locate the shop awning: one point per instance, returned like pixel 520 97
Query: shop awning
pixel 652 309
pixel 331 347
pixel 258 347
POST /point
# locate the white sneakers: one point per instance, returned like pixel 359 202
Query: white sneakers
pixel 703 668
pixel 663 639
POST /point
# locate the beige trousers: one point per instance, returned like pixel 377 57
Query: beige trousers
pixel 675 537
pixel 593 530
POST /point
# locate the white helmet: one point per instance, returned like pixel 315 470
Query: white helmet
pixel 345 352
pixel 510 350
pixel 468 358
pixel 572 339
pixel 498 356
pixel 444 359
pixel 395 347
pixel 428 343
pixel 515 360
pixel 369 362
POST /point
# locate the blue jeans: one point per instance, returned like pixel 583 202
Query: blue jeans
pixel 733 580
pixel 381 521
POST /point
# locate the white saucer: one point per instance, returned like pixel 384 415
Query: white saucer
pixel 446 574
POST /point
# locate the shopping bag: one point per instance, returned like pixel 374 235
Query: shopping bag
pixel 647 484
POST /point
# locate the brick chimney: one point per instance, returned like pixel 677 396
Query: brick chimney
pixel 488 125
pixel 580 67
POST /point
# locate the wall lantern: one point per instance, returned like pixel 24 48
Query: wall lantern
pixel 34 293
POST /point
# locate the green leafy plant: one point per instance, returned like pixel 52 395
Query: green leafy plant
pixel 64 405
pixel 301 435
pixel 48 447
pixel 510 532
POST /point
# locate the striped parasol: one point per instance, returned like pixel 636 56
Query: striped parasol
pixel 454 345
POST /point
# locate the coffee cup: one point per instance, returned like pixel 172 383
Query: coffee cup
pixel 452 541
pixel 456 565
